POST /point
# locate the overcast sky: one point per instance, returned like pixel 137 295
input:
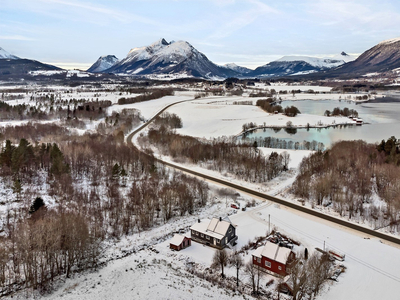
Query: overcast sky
pixel 74 33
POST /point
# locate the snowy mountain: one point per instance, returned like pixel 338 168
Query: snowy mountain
pixel 11 65
pixel 345 57
pixel 320 63
pixel 300 65
pixel 5 55
pixel 236 68
pixel 173 58
pixel 103 63
pixel 383 57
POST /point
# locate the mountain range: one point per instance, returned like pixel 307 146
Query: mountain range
pixel 180 59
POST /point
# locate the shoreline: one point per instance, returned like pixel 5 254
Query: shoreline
pixel 297 127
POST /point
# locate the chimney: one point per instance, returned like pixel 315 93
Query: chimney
pixel 198 220
pixel 220 219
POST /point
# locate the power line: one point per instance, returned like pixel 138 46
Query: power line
pixel 358 260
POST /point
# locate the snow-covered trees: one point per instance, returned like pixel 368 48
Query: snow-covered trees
pixel 348 175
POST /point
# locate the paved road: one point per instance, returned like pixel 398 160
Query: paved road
pixel 337 221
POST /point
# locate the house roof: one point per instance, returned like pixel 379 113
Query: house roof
pixel 273 252
pixel 177 239
pixel 258 252
pixel 214 228
pixel 270 250
pixel 283 255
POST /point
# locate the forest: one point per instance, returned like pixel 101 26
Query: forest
pixel 349 177
pixel 91 187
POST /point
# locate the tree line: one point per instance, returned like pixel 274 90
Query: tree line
pixel 148 95
pixel 271 142
pixel 337 111
pixel 243 161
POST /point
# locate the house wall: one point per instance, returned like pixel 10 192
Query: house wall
pixel 209 240
pixel 275 267
pixel 185 243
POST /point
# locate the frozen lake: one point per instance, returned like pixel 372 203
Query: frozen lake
pixel 382 121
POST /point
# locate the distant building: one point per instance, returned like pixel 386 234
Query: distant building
pixel 179 242
pixel 274 258
pixel 218 233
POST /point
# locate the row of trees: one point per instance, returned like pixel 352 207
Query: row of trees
pixel 348 175
pixel 337 111
pixel 271 142
pixel 244 161
pixel 149 95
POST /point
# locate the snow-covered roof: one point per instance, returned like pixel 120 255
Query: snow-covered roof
pixel 282 255
pixel 270 250
pixel 177 239
pixel 273 252
pixel 215 228
pixel 212 224
pixel 258 252
pixel 200 226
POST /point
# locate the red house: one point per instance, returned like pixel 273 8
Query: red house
pixel 179 242
pixel 273 258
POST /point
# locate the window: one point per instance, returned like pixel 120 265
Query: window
pixel 230 229
pixel 202 235
pixel 207 237
pixel 193 232
pixel 280 268
pixel 255 258
pixel 268 264
pixel 258 260
pixel 218 241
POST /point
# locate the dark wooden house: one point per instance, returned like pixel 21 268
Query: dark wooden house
pixel 274 258
pixel 179 242
pixel 217 233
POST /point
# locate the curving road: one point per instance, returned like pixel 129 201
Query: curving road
pixel 337 221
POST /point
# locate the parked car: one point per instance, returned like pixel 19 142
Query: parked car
pixel 235 205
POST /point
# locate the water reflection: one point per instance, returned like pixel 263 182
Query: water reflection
pixel 382 118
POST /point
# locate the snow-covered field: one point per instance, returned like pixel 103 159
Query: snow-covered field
pixel 216 117
pixel 150 108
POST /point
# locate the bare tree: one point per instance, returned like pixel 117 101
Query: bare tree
pixel 236 261
pixel 254 273
pixel 220 259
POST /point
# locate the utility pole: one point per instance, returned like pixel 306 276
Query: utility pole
pixel 269 224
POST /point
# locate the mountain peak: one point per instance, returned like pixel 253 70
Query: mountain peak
pixel 175 58
pixel 103 63
pixel 344 53
pixel 5 55
pixel 161 42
